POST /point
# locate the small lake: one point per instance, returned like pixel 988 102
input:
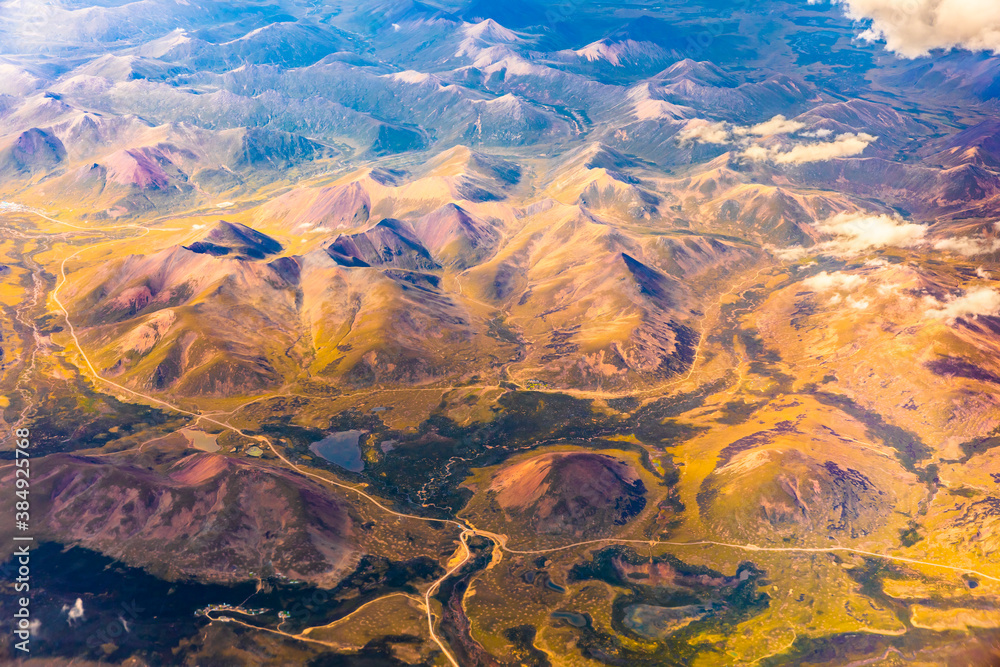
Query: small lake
pixel 574 619
pixel 341 449
pixel 206 442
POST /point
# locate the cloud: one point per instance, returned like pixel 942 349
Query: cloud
pixel 969 246
pixel 705 132
pixel 834 282
pixel 858 304
pixel 758 153
pixel 721 133
pixel 777 125
pixel 821 133
pixel 856 233
pixel 708 132
pixel 913 28
pixel 845 145
pixel 74 613
pixel 792 254
pixel 840 284
pixel 974 302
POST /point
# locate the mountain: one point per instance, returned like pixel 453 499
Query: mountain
pixel 164 320
pixel 288 44
pixel 714 94
pixel 796 492
pixel 129 68
pixel 964 191
pixel 577 494
pixel 567 263
pixel 455 237
pixel 966 75
pixel 239 240
pixel 646 41
pixel 704 73
pixel 777 215
pixel 335 207
pixel 860 115
pixel 976 145
pixel 389 243
pixel 29 152
pixel 528 333
pixel 217 518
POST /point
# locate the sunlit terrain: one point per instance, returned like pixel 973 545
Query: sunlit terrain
pixel 397 333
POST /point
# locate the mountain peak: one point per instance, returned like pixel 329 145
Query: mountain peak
pixel 701 72
pixel 489 30
pixel 389 243
pixel 233 239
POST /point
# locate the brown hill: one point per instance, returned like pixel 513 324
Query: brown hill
pixel 576 494
pixel 204 516
pixel 784 490
pixel 456 237
pixel 389 243
pixel 30 152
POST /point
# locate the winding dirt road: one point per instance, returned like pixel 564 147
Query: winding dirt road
pixel 467 530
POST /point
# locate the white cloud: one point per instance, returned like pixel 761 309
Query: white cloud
pixel 970 246
pixel 708 132
pixel 74 613
pixel 758 153
pixel 837 281
pixel 777 125
pixel 858 304
pixel 913 28
pixel 983 273
pixel 841 285
pixel 705 132
pixel 974 302
pixel 720 133
pixel 857 233
pixel 792 254
pixel 845 145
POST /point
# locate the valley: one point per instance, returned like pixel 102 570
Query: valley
pixel 751 387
